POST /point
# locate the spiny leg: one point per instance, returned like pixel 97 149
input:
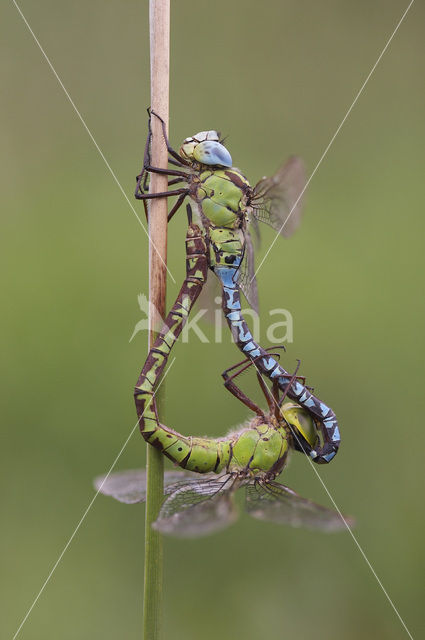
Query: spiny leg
pixel 146 157
pixel 142 193
pixel 272 398
pixel 146 161
pixel 182 193
pixel 161 194
pixel 176 206
pixel 175 163
pixel 175 159
pixel 189 214
pixel 275 392
pixel 268 396
pixel 249 360
pixel 277 404
pixel 168 172
pixel 240 395
pixel 233 388
pixel 288 386
pixel 170 149
pixel 142 178
pixel 237 392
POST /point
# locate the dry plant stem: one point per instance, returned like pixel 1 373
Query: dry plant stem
pixel 159 19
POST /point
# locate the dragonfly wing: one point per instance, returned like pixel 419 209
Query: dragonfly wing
pixel 276 503
pixel 197 508
pixel 130 486
pixel 256 229
pixel 246 274
pixel 206 302
pixel 277 201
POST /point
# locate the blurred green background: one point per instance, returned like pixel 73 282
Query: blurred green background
pixel 278 77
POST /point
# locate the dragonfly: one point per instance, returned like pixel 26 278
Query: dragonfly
pixel 227 206
pixel 200 500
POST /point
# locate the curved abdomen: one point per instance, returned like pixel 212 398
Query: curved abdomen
pixel 324 416
pixel 196 454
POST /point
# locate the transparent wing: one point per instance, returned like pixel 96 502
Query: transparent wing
pixel 276 503
pixel 211 291
pixel 256 229
pixel 130 486
pixel 276 201
pixel 197 508
pixel 246 274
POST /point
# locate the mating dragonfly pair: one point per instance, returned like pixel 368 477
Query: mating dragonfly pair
pixel 226 206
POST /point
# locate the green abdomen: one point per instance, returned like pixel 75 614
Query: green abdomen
pixel 225 245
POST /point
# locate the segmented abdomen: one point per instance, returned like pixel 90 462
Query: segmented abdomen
pixel 196 454
pixel 325 417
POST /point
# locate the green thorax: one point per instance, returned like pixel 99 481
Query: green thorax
pixel 258 447
pixel 221 194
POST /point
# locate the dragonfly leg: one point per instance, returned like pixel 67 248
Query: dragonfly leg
pixel 289 385
pixel 300 378
pixel 162 194
pixel 275 394
pixel 240 395
pixel 146 159
pixel 231 386
pixel 175 181
pixel 176 206
pixel 270 397
pixel 178 159
pixel 175 163
pixel 273 398
pixel 189 214
pixel 168 172
pixel 249 361
pixel 175 159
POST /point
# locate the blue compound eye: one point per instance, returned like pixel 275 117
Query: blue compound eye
pixel 211 152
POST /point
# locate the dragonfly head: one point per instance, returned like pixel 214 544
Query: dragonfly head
pixel 205 147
